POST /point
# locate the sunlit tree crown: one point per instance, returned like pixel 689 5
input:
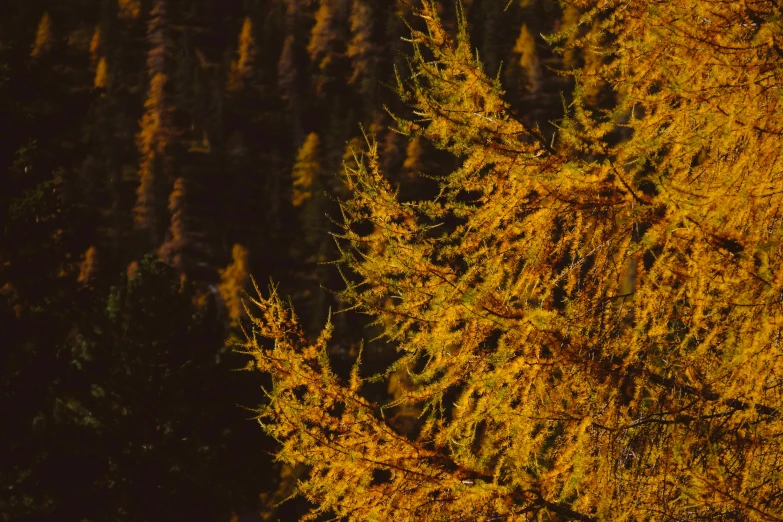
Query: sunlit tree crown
pixel 590 324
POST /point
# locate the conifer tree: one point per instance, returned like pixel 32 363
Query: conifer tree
pixel 326 44
pixel 592 325
pixel 305 172
pixel 177 240
pixel 43 37
pixel 101 74
pixel 323 34
pixel 88 267
pixel 155 132
pixel 242 66
pixel 288 82
pixel 233 280
pixel 569 25
pixel 414 158
pixel 361 49
pixel 129 9
pixel 525 48
pixel 286 70
pixel 95 45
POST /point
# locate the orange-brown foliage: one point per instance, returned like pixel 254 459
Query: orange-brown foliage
pixel 43 37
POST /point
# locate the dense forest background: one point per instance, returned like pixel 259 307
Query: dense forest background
pixel 154 154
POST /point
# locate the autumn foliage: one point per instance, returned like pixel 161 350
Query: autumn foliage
pixel 590 324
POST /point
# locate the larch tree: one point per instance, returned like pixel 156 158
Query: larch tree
pixel 286 70
pixel 414 158
pixel 323 34
pixel 95 46
pixel 101 74
pixel 129 9
pixel 525 49
pixel 590 325
pixel 178 237
pixel 233 280
pixel 242 66
pixel 307 189
pixel 155 129
pixel 327 38
pixel 43 37
pixel 306 170
pixel 88 267
pixel 361 49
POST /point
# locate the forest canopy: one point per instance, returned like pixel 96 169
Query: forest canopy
pixel 587 317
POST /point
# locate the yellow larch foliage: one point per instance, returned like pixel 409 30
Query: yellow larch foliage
pixel 352 150
pixel 286 70
pixel 101 74
pixel 525 47
pixel 233 280
pixel 546 391
pixel 129 9
pixel 157 38
pixel 132 269
pixel 414 158
pixel 305 170
pixel 11 296
pixel 322 35
pixel 43 37
pixel 153 136
pixel 569 28
pixel 171 250
pixel 242 66
pixel 361 49
pixel 88 267
pixel 151 141
pixel 155 126
pixel 590 74
pixel 95 45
